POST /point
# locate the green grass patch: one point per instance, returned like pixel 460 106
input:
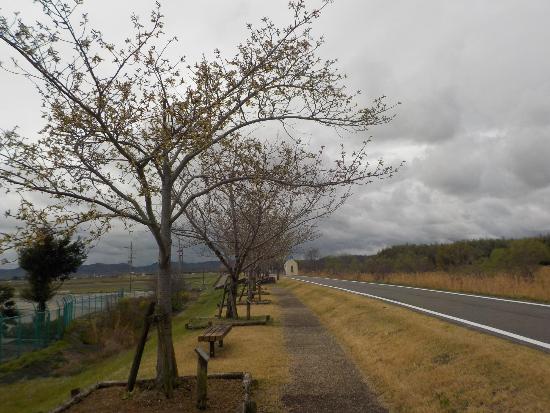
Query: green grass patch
pixel 43 394
pixel 28 359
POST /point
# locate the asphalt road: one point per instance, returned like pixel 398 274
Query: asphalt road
pixel 520 321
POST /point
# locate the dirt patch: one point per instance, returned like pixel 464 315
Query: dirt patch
pixel 223 396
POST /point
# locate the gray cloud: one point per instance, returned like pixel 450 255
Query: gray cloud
pixel 474 125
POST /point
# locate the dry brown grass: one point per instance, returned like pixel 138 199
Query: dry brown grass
pixel 259 350
pixel 417 363
pixel 502 285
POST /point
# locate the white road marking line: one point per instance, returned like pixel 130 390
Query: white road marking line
pixel 442 291
pixel 449 317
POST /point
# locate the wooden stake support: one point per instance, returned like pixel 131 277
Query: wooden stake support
pixel 242 292
pixel 141 345
pixel 223 299
pixel 202 378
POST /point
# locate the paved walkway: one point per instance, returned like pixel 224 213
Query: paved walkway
pixel 323 378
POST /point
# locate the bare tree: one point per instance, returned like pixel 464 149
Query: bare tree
pixel 125 127
pixel 312 255
pixel 251 222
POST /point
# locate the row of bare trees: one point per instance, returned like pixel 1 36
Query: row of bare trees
pixel 130 134
pixel 249 224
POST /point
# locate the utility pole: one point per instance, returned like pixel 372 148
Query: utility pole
pixel 131 261
pixel 180 255
pixel 180 258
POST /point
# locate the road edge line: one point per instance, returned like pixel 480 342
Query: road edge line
pixel 441 315
pixel 486 297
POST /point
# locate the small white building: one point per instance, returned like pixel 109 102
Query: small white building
pixel 291 267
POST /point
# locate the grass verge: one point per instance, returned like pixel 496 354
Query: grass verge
pixel 258 349
pixel 499 285
pixel 417 363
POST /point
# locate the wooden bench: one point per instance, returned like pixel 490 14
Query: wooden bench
pixel 213 334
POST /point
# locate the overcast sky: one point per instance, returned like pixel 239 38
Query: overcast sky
pixel 473 127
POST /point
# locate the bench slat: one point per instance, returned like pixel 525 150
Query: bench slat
pixel 215 333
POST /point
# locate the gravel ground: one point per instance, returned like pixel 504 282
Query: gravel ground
pixel 323 379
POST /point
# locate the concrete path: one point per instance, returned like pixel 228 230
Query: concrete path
pixel 515 320
pixel 323 378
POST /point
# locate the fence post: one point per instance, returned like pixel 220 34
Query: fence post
pixel 1 334
pixel 46 328
pixel 59 321
pixel 35 325
pixel 18 335
pixel 65 315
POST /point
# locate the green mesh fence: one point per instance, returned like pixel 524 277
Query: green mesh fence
pixel 37 329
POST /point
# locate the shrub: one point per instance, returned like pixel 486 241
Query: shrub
pixel 179 299
pixel 521 258
pixel 7 303
pixel 117 328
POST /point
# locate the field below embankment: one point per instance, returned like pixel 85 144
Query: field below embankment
pixel 417 363
pixel 259 350
pixel 499 285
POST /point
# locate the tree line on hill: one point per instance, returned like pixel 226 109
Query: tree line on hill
pixel 520 257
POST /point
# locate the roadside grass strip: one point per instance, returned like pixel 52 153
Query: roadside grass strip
pixel 495 285
pixel 418 363
pixel 497 331
pixel 485 297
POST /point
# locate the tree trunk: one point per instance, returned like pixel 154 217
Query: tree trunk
pixel 40 328
pixel 250 286
pixel 167 370
pixel 232 297
pixel 250 293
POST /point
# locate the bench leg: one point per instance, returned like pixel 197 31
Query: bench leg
pixel 220 343
pixel 212 349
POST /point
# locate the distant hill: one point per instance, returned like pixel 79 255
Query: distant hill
pixel 480 256
pixel 107 270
